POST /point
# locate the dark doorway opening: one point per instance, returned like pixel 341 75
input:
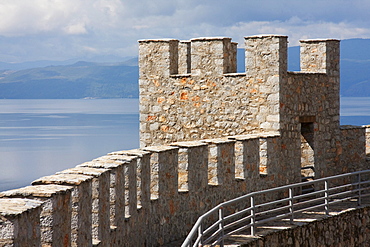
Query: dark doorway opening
pixel 307 151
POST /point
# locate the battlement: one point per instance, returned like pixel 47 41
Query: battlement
pixel 207 135
pixel 215 56
pixel 152 196
pixel 189 89
pixel 97 200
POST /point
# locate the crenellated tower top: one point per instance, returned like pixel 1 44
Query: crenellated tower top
pixel 190 89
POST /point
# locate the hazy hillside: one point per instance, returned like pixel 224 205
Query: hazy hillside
pixel 35 80
pixel 79 80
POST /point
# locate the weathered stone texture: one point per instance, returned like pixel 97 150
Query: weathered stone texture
pixel 210 102
pixel 207 135
pixel 20 222
pixel 55 216
pixel 100 202
pixel 367 129
pixel 81 212
pixel 353 149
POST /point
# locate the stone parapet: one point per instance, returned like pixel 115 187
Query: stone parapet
pixel 320 56
pixel 55 215
pixel 156 192
pixel 20 222
pixel 81 211
pixel 207 135
pixel 201 97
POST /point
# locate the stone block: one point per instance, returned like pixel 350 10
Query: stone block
pixel 20 222
pixel 55 213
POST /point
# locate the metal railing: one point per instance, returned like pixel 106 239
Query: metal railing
pixel 245 213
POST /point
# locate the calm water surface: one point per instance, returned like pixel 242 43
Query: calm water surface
pixel 41 137
pixel 355 111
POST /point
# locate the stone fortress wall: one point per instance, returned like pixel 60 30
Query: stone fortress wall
pixel 207 135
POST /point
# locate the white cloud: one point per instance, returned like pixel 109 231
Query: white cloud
pixel 24 17
pixel 297 29
pixel 89 49
pixel 75 29
pixel 61 28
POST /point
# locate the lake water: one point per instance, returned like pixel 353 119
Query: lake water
pixel 355 111
pixel 41 137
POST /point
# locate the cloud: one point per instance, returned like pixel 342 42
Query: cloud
pixel 75 29
pixel 23 17
pixel 298 29
pixel 62 28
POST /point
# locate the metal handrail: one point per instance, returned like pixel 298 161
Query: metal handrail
pixel 253 213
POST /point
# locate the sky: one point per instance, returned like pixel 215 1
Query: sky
pixel 66 29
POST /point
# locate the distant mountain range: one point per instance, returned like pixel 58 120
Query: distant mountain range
pixel 74 81
pixel 108 77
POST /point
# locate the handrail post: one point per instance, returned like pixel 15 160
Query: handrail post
pixel 200 233
pixel 221 225
pixel 253 217
pixel 359 189
pixel 291 205
pixel 326 197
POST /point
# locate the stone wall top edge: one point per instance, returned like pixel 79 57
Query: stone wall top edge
pixel 256 135
pixel 132 152
pixel 16 206
pixel 62 179
pixel 99 164
pixel 166 40
pixel 45 190
pixel 244 137
pixel 218 140
pixel 270 134
pixel 123 158
pixel 262 36
pixel 209 38
pixel 156 40
pixel 90 171
pixel 317 40
pixel 161 148
pixel 189 144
